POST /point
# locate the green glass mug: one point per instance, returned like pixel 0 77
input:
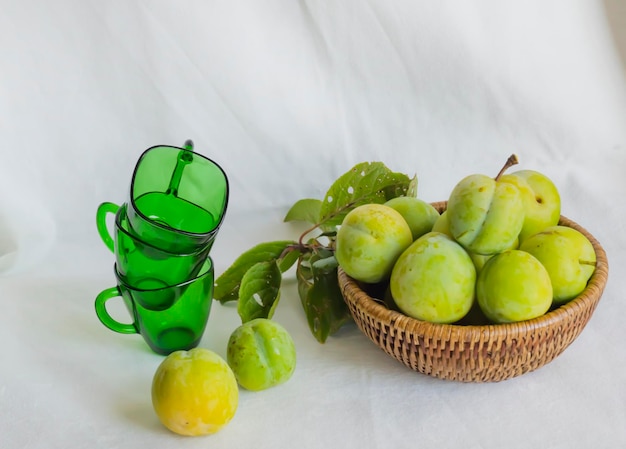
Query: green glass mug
pixel 178 198
pixel 179 327
pixel 140 264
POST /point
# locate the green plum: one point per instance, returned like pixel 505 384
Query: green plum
pixel 569 258
pixel 513 286
pixel 485 214
pixel 370 240
pixel 480 259
pixel 442 224
pixel 261 354
pixel 419 214
pixel 542 202
pixel 434 280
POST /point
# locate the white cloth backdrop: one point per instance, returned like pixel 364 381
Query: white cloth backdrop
pixel 287 96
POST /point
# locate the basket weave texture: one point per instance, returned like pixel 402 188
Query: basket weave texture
pixel 476 353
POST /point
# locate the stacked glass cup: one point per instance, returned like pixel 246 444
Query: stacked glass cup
pixel 162 238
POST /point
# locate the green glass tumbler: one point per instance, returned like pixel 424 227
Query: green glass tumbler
pixel 179 327
pixel 178 198
pixel 142 265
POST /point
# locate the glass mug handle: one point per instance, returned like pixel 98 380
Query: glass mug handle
pixel 105 317
pixel 103 210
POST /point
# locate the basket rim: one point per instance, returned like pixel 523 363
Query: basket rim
pixel 587 300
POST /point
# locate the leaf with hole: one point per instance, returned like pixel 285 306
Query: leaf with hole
pixel 260 291
pixel 367 182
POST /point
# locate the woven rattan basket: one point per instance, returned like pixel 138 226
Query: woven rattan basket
pixel 473 353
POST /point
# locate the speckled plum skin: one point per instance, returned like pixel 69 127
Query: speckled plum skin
pixel 485 215
pixel 370 240
pixel 419 215
pixel 262 354
pixel 569 258
pixel 513 286
pixel 194 392
pixel 434 280
pixel 542 202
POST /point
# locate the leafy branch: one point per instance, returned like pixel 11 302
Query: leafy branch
pixel 254 279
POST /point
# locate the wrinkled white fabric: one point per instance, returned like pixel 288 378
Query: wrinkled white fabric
pixel 287 96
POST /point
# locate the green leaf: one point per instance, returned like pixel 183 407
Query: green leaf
pixel 320 295
pixel 259 291
pixel 401 189
pixel 305 210
pixel 367 182
pixel 228 283
pixel 288 260
pixel 412 190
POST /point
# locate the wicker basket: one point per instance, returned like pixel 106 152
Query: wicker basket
pixel 476 353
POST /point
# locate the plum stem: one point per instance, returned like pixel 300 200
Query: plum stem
pixel 511 161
